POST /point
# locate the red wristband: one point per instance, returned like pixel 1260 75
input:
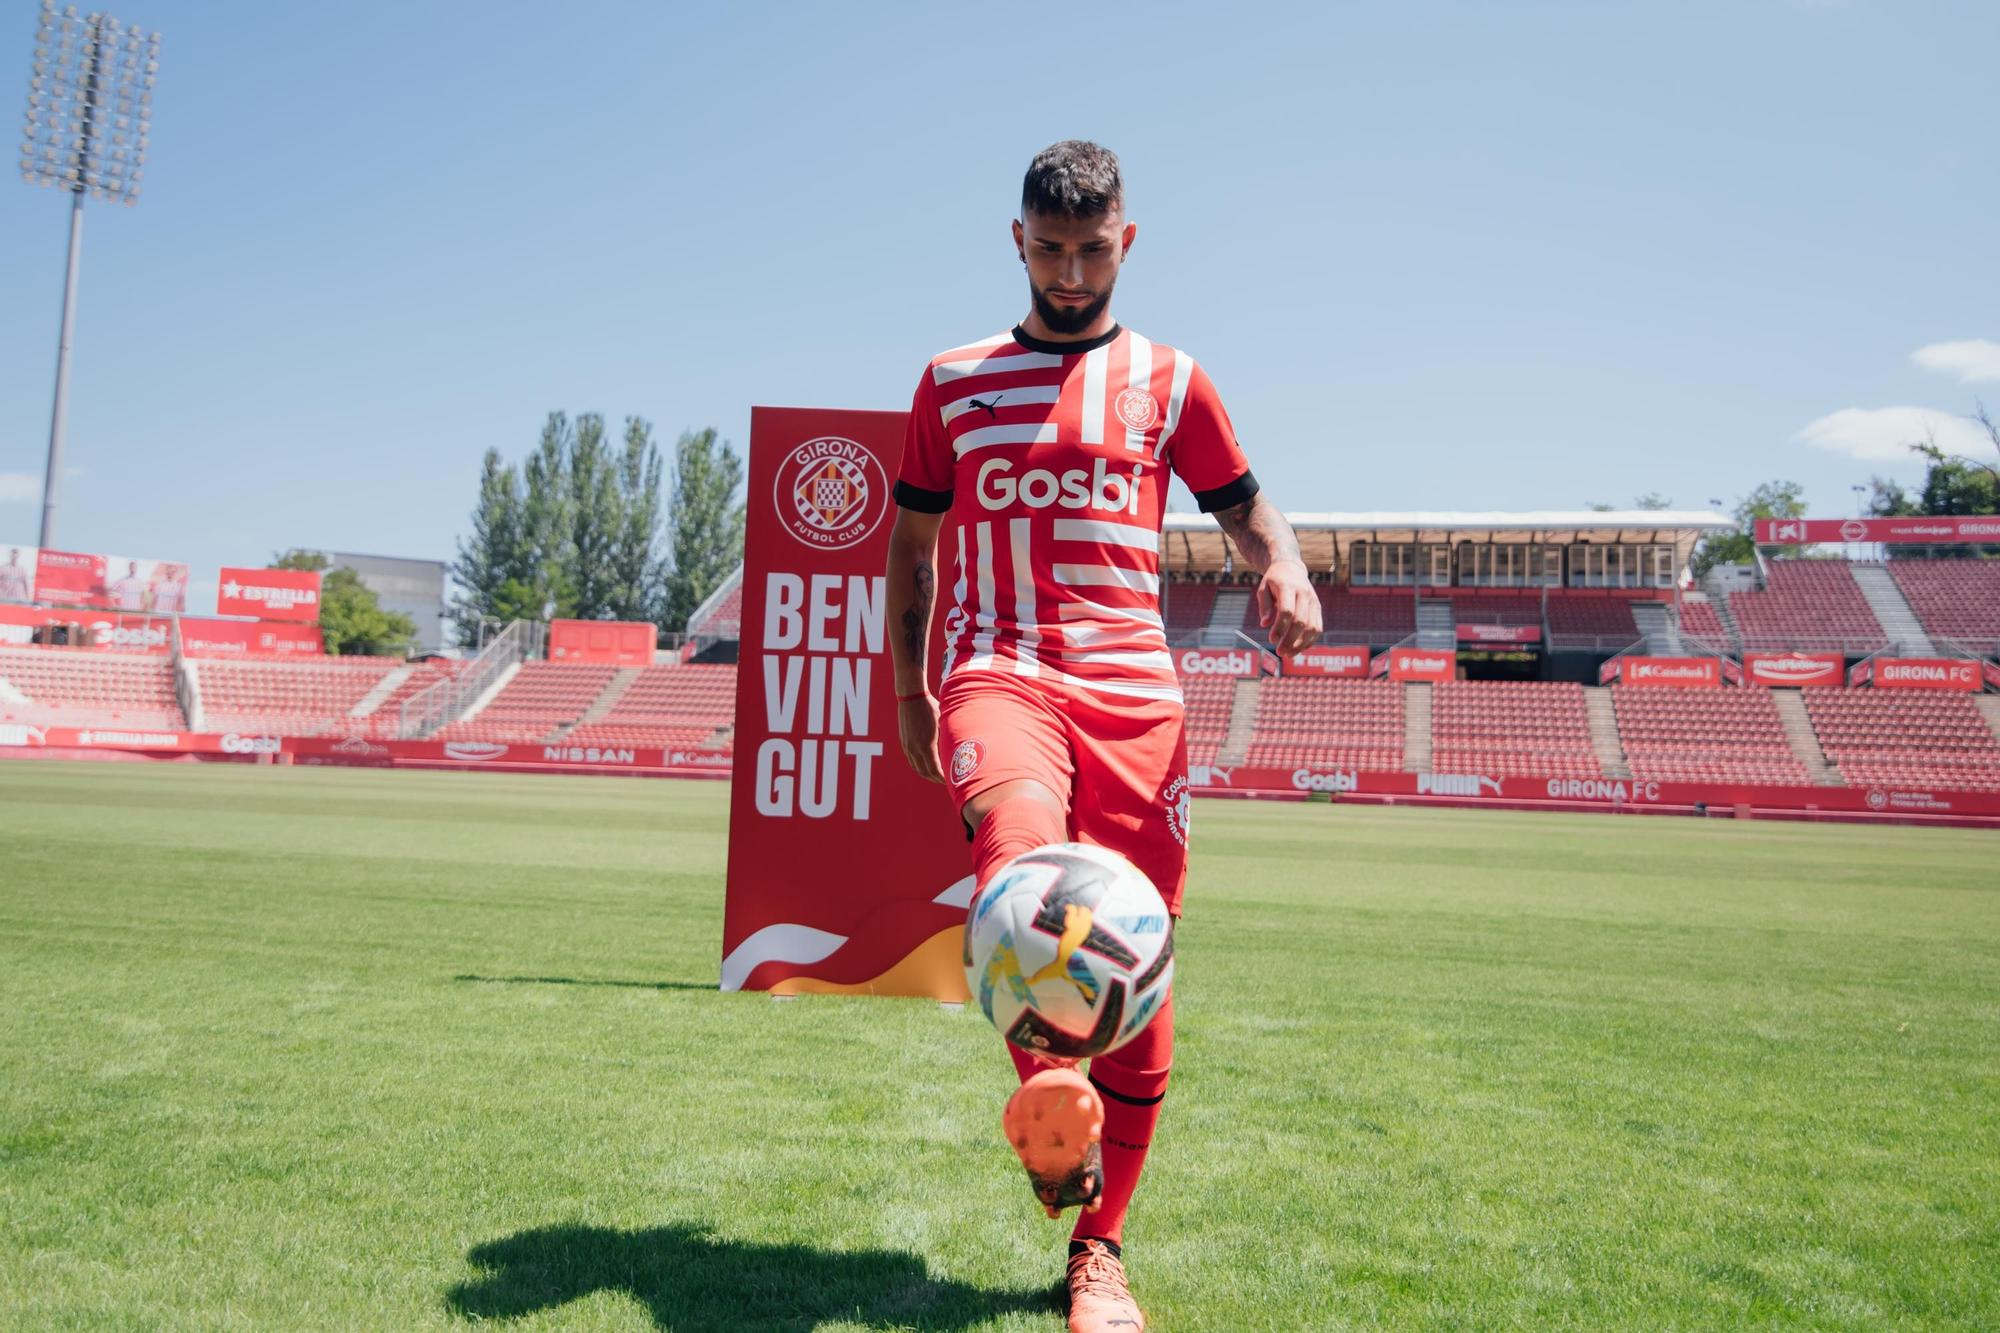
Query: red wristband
pixel 905 698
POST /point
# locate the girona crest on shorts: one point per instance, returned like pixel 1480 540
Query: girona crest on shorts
pixel 965 760
pixel 831 492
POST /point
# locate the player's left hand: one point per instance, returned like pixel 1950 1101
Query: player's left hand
pixel 1288 607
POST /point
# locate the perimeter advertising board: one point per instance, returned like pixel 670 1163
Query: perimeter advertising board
pixel 92 582
pixel 625 643
pixel 847 872
pixel 268 594
pixel 1344 661
pixel 1684 673
pixel 1217 662
pixel 1922 530
pixel 1795 670
pixel 1927 673
pixel 1431 664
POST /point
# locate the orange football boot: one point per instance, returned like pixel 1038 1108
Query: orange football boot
pixel 1099 1300
pixel 1054 1120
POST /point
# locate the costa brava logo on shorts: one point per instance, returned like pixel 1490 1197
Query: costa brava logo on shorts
pixel 965 760
pixel 1138 409
pixel 1179 802
pixel 831 493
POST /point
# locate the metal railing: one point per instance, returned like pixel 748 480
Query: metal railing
pixel 430 708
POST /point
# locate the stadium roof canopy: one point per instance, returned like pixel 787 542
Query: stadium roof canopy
pixel 1195 541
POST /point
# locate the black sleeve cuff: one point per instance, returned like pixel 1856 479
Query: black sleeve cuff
pixel 1228 497
pixel 923 501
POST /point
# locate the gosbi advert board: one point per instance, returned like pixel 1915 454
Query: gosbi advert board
pixel 847 873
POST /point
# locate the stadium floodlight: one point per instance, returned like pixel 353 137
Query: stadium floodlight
pixel 89 122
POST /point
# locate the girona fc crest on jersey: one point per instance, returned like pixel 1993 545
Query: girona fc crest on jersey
pixel 1138 409
pixel 831 493
pixel 965 760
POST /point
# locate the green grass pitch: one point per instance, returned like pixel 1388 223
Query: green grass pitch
pixel 320 1049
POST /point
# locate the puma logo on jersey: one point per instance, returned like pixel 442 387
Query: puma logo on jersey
pixel 988 407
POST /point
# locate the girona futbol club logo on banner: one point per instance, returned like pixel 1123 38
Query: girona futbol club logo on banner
pixel 1928 673
pixel 831 492
pixel 847 872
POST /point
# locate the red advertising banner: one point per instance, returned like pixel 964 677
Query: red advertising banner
pixel 1432 664
pixel 1666 672
pixel 269 594
pixel 1350 660
pixel 611 642
pixel 1609 793
pixel 1794 669
pixel 1927 673
pixel 1993 675
pixel 201 637
pixel 847 872
pixel 1978 529
pixel 1218 662
pixel 1862 672
pixel 95 582
pixel 1499 633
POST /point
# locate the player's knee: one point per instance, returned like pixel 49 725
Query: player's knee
pixel 1019 789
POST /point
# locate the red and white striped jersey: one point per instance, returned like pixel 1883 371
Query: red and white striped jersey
pixel 1054 460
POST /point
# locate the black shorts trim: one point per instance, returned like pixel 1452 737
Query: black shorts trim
pixel 1235 493
pixel 921 500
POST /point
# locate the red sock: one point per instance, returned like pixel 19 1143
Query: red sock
pixel 1010 828
pixel 1133 1080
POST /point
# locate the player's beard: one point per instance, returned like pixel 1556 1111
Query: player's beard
pixel 1068 318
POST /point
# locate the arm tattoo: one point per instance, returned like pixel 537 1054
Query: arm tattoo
pixel 917 620
pixel 1260 532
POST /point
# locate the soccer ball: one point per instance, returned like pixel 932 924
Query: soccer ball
pixel 1069 950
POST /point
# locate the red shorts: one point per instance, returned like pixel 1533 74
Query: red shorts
pixel 1119 765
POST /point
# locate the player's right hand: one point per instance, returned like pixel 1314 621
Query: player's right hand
pixel 916 723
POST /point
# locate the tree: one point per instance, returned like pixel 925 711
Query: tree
pixel 545 519
pixel 1773 499
pixel 596 524
pixel 495 570
pixel 1650 500
pixel 351 618
pixel 638 574
pixel 704 523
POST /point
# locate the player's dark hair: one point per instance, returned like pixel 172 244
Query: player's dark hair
pixel 1075 178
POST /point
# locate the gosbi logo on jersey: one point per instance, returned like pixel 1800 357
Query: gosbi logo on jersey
pixel 831 493
pixel 1100 488
pixel 965 760
pixel 1138 409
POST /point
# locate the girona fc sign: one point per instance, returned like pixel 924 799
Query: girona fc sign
pixel 831 493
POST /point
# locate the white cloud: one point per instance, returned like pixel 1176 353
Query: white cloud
pixel 1971 359
pixel 1884 434
pixel 19 487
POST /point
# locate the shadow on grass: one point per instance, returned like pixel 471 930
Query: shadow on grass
pixel 590 981
pixel 691 1280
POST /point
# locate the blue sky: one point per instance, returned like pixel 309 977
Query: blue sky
pixel 1434 255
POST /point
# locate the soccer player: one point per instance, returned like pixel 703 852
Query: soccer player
pixel 14 579
pixel 130 592
pixel 169 590
pixel 1059 715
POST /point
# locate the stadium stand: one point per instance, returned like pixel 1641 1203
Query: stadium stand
pixel 287 698
pixel 1581 621
pixel 87 689
pixel 383 722
pixel 1496 608
pixel 1954 599
pixel 1906 737
pixel 1210 702
pixel 1808 604
pixel 1378 619
pixel 1512 729
pixel 1700 620
pixel 1349 723
pixel 667 705
pixel 1187 606
pixel 1706 736
pixel 542 697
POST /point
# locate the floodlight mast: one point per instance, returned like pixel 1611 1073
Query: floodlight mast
pixel 93 79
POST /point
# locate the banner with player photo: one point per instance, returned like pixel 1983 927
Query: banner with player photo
pixel 847 872
pixel 92 582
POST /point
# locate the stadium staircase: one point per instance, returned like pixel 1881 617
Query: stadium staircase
pixel 1231 606
pixel 1718 583
pixel 1886 600
pixel 1792 714
pixel 1437 626
pixel 486 696
pixel 10 695
pixel 384 687
pixel 1604 733
pixel 614 690
pixel 1242 723
pixel 1657 627
pixel 1417 723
